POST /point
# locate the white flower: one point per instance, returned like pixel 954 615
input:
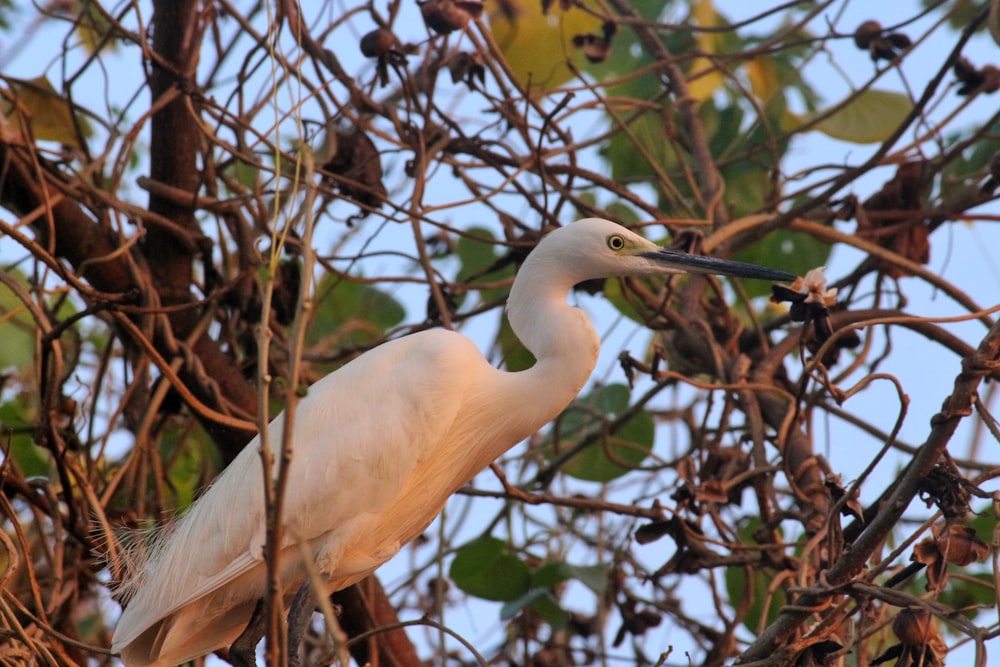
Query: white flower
pixel 813 285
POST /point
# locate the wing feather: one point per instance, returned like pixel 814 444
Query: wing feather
pixel 359 436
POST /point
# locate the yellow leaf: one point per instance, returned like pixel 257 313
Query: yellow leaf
pixel 93 28
pixel 763 75
pixel 537 46
pixel 704 79
pixel 704 76
pixel 48 115
pixel 870 116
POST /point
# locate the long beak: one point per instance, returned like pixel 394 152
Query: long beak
pixel 715 265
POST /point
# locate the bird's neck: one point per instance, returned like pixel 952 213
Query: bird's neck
pixel 561 338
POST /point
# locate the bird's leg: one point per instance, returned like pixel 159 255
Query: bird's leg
pixel 243 652
pixel 303 606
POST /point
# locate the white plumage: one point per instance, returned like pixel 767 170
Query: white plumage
pixel 378 447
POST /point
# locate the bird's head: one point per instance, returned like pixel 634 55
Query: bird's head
pixel 597 248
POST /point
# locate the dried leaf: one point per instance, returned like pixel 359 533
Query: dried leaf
pixel 883 218
pixel 594 47
pixel 39 111
pixel 917 631
pixel 852 506
pixel 651 532
pixel 818 654
pixel 357 161
pixel 972 80
pixel 467 67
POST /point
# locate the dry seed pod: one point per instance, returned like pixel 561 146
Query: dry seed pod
pixel 378 43
pixel 865 33
pixel 914 627
pixel 444 16
pixel 959 545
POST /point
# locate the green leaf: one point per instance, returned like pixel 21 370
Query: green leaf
pixel 971 594
pixel 540 598
pixel 616 297
pixel 351 313
pixel 480 260
pixel 549 610
pixel 514 607
pixel 649 130
pixel 725 135
pixel 594 577
pixel 478 255
pixel 623 212
pixel 613 398
pixel 30 458
pixel 750 187
pixel 8 14
pixel 796 252
pixel 540 601
pixel 188 454
pixel 747 186
pixel 486 569
pixel 628 57
pixel 868 117
pixel 614 454
pixel 18 326
pixel 984 523
pixel 244 173
pixel 968 169
pixel 960 12
pixel 553 573
pixel 516 357
pixel 738 589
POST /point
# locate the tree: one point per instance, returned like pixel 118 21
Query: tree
pixel 322 179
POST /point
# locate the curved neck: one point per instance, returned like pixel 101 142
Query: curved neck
pixel 561 337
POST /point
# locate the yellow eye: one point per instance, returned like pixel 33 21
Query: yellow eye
pixel 616 242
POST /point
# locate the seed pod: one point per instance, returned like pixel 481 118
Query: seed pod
pixel 378 43
pixel 445 16
pixel 959 545
pixel 915 627
pixel 865 33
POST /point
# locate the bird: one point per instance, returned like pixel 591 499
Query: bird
pixel 378 447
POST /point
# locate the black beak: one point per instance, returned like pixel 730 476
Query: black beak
pixel 717 266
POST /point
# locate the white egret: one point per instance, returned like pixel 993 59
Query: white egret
pixel 378 447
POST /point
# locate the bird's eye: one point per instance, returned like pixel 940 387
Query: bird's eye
pixel 616 242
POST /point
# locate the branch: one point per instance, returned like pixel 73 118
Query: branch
pixel 983 363
pixel 30 188
pixel 851 174
pixel 709 178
